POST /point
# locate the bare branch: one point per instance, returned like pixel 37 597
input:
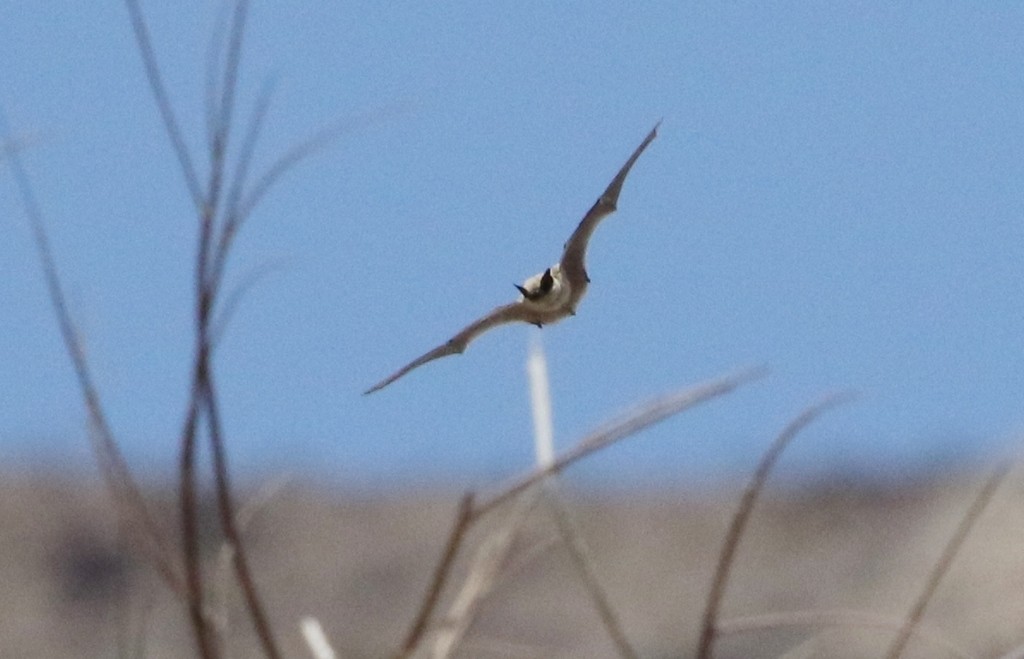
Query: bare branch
pixel 232 220
pixel 219 325
pixel 487 564
pixel 579 552
pixel 226 105
pixel 214 54
pixel 441 573
pixel 646 415
pixel 203 398
pixel 568 530
pixel 311 145
pixel 834 618
pixel 116 474
pixel 219 146
pixel 746 507
pixel 189 506
pixel 229 524
pixel 227 554
pixel 163 103
pixel 949 553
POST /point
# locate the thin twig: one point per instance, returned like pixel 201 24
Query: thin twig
pixel 834 618
pixel 189 506
pixel 579 552
pixel 203 399
pixel 315 142
pixel 478 647
pixel 125 492
pixel 230 526
pixel 441 573
pixel 232 220
pixel 237 293
pixel 214 54
pixel 746 507
pixel 490 558
pixel 568 530
pixel 163 102
pixel 218 151
pixel 949 553
pixel 524 557
pixel 187 495
pixel 226 108
pixel 646 415
pixel 243 517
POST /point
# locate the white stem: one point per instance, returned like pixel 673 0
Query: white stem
pixel 540 399
pixel 315 638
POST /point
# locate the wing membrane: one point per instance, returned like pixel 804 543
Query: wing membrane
pixel 508 313
pixel 574 256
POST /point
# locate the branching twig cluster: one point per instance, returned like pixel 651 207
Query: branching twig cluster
pixel 223 200
pixel 522 494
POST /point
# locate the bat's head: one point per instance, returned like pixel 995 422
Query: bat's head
pixel 547 289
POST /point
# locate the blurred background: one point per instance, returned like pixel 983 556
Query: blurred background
pixel 834 194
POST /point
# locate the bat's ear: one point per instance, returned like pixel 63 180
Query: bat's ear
pixel 547 281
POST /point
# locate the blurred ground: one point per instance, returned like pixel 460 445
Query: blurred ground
pixel 361 564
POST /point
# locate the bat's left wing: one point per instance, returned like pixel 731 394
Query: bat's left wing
pixel 574 256
pixel 507 313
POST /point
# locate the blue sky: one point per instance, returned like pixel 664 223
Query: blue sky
pixel 836 194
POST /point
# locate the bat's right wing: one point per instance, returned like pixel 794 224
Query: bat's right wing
pixel 516 311
pixel 575 252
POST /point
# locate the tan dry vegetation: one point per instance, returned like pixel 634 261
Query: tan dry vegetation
pixel 361 565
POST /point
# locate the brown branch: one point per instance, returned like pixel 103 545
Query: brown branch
pixel 315 142
pixel 230 525
pixel 581 557
pixel 833 618
pixel 746 507
pixel 646 415
pixel 232 219
pixel 190 529
pixel 209 271
pixel 441 573
pixel 163 102
pixel 125 492
pixel 187 488
pixel 949 553
pixel 490 559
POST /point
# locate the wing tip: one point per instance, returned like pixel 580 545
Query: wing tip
pixel 654 132
pixel 380 385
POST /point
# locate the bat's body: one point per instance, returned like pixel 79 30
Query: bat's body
pixel 547 297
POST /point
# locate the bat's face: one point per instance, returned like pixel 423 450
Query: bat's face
pixel 547 290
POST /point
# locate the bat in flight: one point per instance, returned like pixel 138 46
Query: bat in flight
pixel 547 297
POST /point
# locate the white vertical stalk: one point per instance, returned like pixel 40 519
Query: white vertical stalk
pixel 316 639
pixel 540 401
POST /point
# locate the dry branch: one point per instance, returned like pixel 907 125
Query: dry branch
pixel 835 618
pixel 746 507
pixel 644 416
pixel 949 553
pixel 126 494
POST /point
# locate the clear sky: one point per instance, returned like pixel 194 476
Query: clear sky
pixel 836 194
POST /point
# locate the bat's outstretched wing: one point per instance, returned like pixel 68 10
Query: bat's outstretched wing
pixel 573 257
pixel 508 313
